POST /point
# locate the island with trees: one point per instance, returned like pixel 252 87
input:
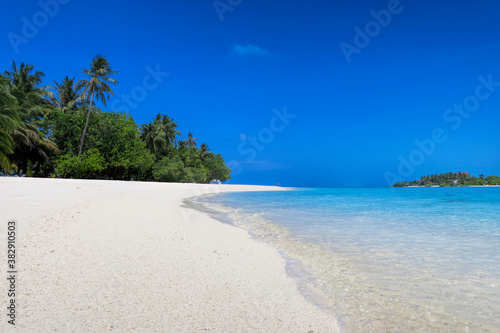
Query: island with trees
pixel 452 179
pixel 58 131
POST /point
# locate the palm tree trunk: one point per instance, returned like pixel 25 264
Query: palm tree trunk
pixel 86 123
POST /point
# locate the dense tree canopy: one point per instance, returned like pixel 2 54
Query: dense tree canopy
pixel 452 179
pixel 58 131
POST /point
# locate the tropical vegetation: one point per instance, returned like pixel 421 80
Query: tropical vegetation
pixel 452 179
pixel 59 131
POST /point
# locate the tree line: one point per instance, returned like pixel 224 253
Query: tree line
pixel 58 131
pixel 452 179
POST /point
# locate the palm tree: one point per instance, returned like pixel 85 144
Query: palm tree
pixel 24 86
pixel 99 72
pixel 182 144
pixel 9 121
pixel 168 127
pixel 31 145
pixel 21 140
pixel 154 139
pixel 22 79
pixel 191 142
pixel 159 135
pixel 149 137
pixel 204 150
pixel 68 94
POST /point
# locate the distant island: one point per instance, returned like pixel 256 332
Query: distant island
pixel 452 179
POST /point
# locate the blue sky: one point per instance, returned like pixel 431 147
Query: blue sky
pixel 268 85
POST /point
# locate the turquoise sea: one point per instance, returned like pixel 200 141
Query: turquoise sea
pixel 384 259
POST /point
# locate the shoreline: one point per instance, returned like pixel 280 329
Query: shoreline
pixel 124 256
pixel 345 277
pixel 296 267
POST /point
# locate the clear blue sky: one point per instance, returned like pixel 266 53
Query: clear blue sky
pixel 354 120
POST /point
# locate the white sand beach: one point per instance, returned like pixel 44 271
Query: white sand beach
pixel 102 256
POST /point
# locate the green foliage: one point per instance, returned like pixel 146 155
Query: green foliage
pixel 160 135
pixel 24 86
pixel 194 175
pixel 52 130
pixel 34 150
pixel 20 94
pixel 493 180
pixel 216 168
pixel 169 169
pixel 9 121
pixel 185 162
pixel 67 95
pixel 83 166
pixel 451 179
pixel 114 135
pixel 173 169
pixel 185 165
pixel 65 129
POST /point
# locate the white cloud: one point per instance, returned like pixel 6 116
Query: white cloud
pixel 249 50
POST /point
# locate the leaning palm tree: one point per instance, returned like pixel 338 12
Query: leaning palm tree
pixel 31 145
pixel 97 85
pixel 191 142
pixel 66 95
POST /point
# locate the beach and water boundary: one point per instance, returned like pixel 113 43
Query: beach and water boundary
pixel 437 272
pixel 125 257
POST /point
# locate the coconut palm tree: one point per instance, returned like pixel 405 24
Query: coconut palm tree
pixel 9 121
pixel 168 127
pixel 31 145
pixel 20 138
pixel 204 150
pixel 149 137
pixel 66 95
pixel 160 135
pixel 154 139
pixel 191 142
pixel 97 86
pixel 182 145
pixel 24 86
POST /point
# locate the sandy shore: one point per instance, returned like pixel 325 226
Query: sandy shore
pixel 98 256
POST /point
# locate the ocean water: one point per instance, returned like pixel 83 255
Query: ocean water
pixel 384 259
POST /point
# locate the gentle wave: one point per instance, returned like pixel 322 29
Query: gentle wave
pixel 405 260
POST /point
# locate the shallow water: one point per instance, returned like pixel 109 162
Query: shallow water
pixel 385 260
